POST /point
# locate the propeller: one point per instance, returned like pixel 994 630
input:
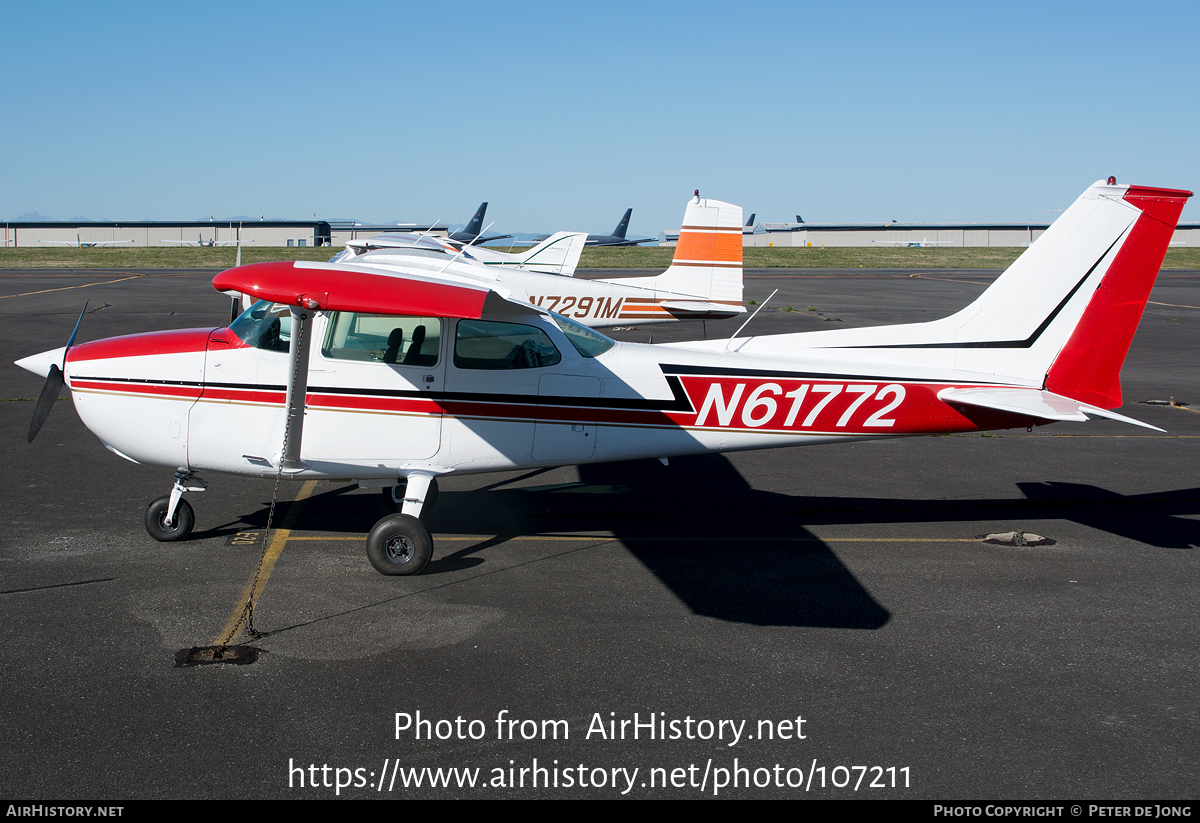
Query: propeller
pixel 52 386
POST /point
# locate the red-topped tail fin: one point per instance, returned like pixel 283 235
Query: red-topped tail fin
pixel 1088 368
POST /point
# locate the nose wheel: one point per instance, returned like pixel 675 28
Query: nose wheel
pixel 171 518
pixel 168 529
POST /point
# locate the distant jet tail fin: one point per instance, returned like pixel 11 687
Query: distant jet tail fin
pixel 623 226
pixel 474 227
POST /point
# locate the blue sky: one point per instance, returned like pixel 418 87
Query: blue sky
pixel 564 115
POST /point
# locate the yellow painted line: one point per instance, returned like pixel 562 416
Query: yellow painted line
pixel 254 588
pixel 1172 305
pixel 612 538
pixel 1080 436
pixel 80 286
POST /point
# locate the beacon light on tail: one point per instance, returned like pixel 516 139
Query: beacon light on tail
pixel 394 372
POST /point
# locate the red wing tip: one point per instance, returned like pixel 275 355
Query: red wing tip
pixel 236 278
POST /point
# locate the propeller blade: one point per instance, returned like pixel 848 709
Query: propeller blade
pixel 71 342
pixel 50 390
pixel 53 384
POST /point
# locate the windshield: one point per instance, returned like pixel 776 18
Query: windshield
pixel 265 326
pixel 588 342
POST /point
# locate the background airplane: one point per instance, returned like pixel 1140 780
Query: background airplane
pixel 85 244
pixel 200 241
pixel 704 280
pixel 915 244
pixel 617 238
pixel 470 234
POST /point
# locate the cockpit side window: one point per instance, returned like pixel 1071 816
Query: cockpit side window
pixel 266 326
pixel 483 344
pixel 397 340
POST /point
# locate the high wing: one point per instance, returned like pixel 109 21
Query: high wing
pixel 342 287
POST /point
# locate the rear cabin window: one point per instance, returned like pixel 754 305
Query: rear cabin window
pixel 482 344
pixel 383 338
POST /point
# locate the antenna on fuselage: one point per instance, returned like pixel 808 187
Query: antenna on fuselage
pixel 431 228
pixel 465 245
pixel 748 319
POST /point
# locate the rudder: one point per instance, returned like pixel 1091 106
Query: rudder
pixel 1088 368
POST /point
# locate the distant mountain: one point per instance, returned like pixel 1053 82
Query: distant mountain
pixel 34 217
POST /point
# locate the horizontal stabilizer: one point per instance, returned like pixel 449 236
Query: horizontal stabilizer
pixel 557 254
pixel 1038 403
pixel 710 309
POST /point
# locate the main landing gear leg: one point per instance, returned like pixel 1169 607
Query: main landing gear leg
pixel 171 518
pixel 400 543
pixel 395 497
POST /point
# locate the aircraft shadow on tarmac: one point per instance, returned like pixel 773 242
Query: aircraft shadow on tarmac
pixel 729 551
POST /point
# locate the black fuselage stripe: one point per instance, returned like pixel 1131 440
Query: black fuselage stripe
pixel 1008 344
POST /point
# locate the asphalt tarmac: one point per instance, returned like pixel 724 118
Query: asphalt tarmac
pixel 798 623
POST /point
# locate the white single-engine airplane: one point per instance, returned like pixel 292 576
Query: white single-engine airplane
pixel 85 244
pixel 916 244
pixel 200 241
pixel 394 378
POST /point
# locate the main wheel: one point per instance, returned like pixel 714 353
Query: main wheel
pixel 177 528
pixel 393 496
pixel 399 544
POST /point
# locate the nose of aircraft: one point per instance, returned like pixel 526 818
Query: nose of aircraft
pixel 40 364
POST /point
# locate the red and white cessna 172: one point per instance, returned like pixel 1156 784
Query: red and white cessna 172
pixel 395 376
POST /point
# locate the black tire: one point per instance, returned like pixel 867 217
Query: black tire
pixel 393 496
pixel 399 544
pixel 164 532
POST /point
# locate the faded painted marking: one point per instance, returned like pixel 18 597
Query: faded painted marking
pixel 254 587
pixel 80 286
pixel 246 538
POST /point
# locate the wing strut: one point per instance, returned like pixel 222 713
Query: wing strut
pixel 297 389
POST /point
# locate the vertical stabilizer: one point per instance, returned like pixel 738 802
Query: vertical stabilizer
pixel 1089 366
pixel 1060 318
pixel 623 226
pixel 708 258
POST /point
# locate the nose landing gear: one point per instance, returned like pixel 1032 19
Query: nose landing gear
pixel 171 518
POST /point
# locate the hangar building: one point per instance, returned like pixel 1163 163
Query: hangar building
pixel 174 233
